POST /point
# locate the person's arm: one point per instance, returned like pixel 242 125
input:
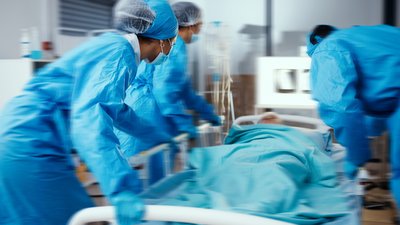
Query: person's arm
pixel 97 106
pixel 199 104
pixel 334 85
pixel 128 121
pixel 167 90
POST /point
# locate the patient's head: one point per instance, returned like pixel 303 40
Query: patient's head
pixel 270 118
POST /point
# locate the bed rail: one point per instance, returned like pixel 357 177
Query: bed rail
pixel 292 120
pixel 175 214
pixel 142 160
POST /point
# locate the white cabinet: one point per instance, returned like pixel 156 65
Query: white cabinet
pixel 14 74
pixel 283 82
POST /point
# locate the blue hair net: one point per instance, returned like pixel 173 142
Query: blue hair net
pixel 165 24
pixel 186 13
pixel 133 16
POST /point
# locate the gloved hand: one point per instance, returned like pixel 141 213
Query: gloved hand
pixel 350 170
pixel 191 130
pixel 174 146
pixel 129 208
pixel 215 120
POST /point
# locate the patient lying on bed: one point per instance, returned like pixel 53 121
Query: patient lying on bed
pixel 270 118
pixel 267 169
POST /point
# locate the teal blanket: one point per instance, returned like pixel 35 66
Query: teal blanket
pixel 266 170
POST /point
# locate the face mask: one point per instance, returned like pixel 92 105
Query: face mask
pixel 195 37
pixel 158 60
pixel 161 57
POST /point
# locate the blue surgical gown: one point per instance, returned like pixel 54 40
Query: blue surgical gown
pixel 356 73
pixel 162 94
pixel 74 102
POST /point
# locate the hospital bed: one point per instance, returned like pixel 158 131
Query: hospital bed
pixel 311 127
pixel 207 136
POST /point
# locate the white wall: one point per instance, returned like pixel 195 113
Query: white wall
pixel 302 16
pixel 43 14
pixel 398 13
pixel 234 14
pixel 288 16
pixel 18 14
pixel 14 15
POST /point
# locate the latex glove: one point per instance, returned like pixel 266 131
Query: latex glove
pixel 215 120
pixel 350 170
pixel 129 208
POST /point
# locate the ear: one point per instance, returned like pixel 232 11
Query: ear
pixel 162 43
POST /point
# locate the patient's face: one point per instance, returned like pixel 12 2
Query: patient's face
pixel 270 119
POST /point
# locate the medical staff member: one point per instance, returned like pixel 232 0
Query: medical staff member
pixel 81 94
pixel 355 73
pixel 163 93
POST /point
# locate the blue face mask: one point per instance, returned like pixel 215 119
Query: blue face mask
pixel 195 37
pixel 161 57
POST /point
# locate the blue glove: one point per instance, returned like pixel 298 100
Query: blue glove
pixel 129 208
pixel 174 146
pixel 191 130
pixel 350 170
pixel 215 120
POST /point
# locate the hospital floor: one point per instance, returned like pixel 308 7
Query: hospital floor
pixel 377 217
pixel 385 214
pixel 382 216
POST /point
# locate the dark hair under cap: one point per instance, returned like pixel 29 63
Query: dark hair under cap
pixel 321 31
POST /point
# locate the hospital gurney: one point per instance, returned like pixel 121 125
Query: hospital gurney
pixel 172 182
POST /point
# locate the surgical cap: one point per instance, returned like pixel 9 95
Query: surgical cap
pixel 315 37
pixel 165 24
pixel 133 16
pixel 186 13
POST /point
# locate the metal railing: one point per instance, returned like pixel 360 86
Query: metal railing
pixel 141 161
pixel 175 214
